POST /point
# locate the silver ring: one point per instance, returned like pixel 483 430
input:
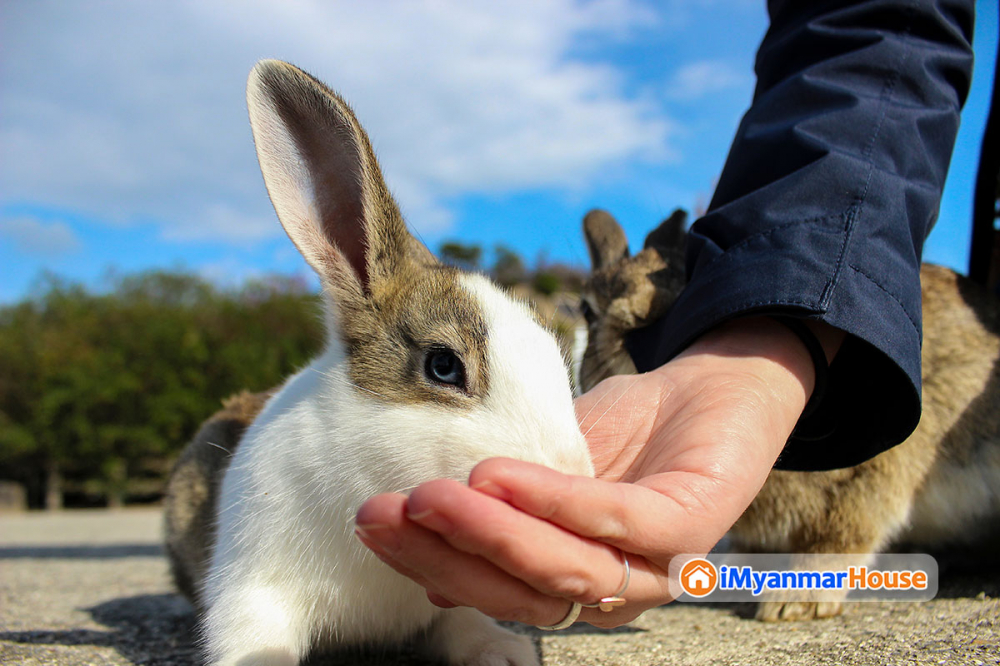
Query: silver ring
pixel 607 604
pixel 574 612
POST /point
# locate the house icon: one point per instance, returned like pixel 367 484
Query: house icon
pixel 698 577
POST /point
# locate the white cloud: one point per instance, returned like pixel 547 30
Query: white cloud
pixel 228 272
pixel 231 272
pixel 698 79
pixel 43 239
pixel 131 111
pixel 220 220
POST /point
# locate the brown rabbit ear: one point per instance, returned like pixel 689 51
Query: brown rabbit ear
pixel 324 180
pixel 671 233
pixel 605 238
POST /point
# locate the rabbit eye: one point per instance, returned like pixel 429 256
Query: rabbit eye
pixel 588 312
pixel 444 367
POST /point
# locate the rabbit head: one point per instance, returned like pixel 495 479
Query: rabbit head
pixel 443 368
pixel 624 292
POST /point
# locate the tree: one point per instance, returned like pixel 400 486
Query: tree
pixel 99 392
pixel 508 269
pixel 460 255
pixel 545 283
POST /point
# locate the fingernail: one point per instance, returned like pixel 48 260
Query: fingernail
pixel 432 520
pixel 493 490
pixel 366 539
pixel 379 535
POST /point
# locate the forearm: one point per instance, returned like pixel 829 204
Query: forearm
pixel 831 185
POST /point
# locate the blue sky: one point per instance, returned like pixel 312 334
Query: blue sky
pixel 125 144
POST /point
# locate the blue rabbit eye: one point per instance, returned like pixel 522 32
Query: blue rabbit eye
pixel 444 367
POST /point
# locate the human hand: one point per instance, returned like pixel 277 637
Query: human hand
pixel 679 453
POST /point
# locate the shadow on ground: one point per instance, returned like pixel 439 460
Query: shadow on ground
pixel 149 629
pixel 159 629
pixel 961 580
pixel 102 552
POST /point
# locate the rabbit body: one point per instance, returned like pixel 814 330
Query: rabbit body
pixel 938 490
pixel 427 371
pixel 193 489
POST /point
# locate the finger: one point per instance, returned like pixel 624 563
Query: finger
pixel 364 536
pixel 440 601
pixel 658 517
pixel 458 577
pixel 382 552
pixel 545 556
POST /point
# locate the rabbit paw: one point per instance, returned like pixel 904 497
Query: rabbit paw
pixel 793 611
pixel 512 650
pixel 466 637
pixel 263 657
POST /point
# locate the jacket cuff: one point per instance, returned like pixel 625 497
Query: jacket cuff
pixel 872 401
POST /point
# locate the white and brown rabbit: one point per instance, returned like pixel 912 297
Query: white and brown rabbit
pixel 937 491
pixel 426 371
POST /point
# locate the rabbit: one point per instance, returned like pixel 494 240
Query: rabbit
pixel 938 491
pixel 426 372
pixel 624 293
pixel 193 489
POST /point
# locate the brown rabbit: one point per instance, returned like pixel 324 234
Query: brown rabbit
pixel 939 490
pixel 193 489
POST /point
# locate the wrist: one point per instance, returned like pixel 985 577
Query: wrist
pixel 819 355
pixel 772 363
pixel 758 343
pixel 773 340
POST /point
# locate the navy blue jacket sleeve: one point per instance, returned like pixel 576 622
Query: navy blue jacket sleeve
pixel 830 188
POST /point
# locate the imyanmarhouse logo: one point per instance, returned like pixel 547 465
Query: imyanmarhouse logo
pixel 741 577
pixel 698 577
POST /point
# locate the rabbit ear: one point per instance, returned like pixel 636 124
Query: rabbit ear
pixel 605 238
pixel 670 234
pixel 324 181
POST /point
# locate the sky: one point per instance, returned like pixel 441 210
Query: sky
pixel 125 145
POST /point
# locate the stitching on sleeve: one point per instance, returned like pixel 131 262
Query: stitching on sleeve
pixel 727 253
pixel 854 213
pixel 916 327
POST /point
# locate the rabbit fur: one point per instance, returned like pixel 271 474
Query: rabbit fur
pixel 271 563
pixel 937 491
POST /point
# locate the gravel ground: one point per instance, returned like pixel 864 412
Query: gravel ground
pixel 91 587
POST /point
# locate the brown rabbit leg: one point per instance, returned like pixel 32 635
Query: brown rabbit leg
pixel 851 511
pixel 193 487
pixel 793 611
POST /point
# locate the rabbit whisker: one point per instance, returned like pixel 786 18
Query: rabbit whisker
pixel 601 371
pixel 367 390
pixel 349 383
pixel 590 411
pixel 399 491
pixel 605 413
pixel 552 317
pixel 219 446
pixel 574 251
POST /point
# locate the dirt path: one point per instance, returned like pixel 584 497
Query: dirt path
pixel 92 588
